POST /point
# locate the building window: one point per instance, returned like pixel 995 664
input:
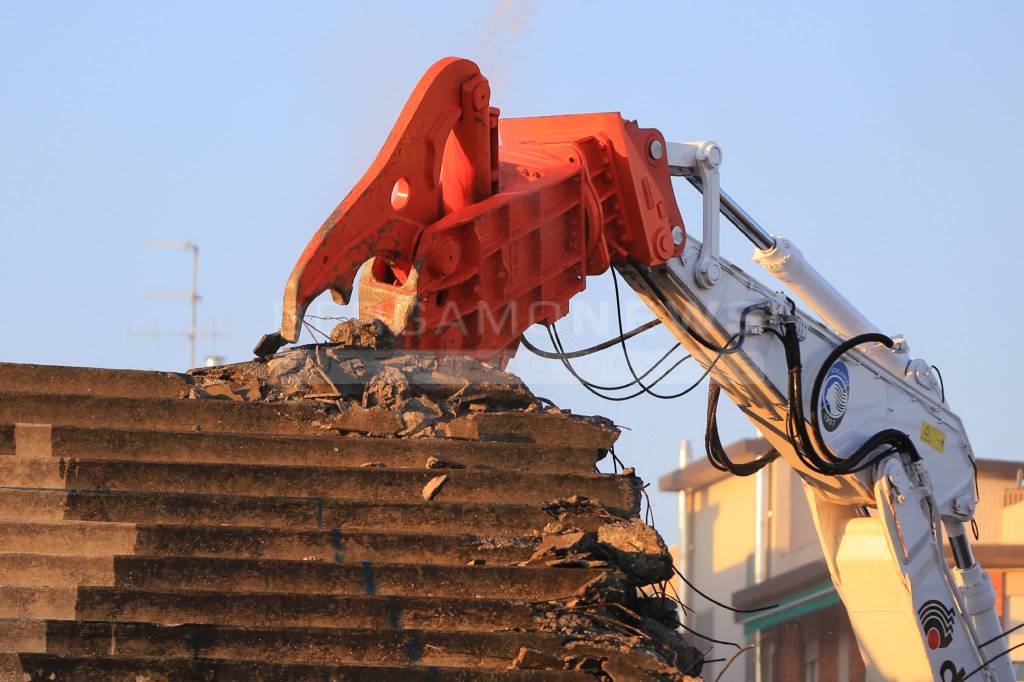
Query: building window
pixel 809 671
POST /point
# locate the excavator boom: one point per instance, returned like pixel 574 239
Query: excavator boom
pixel 464 243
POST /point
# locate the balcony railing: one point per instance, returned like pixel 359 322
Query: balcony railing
pixel 1012 496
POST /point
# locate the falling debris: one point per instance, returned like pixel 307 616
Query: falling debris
pixel 431 489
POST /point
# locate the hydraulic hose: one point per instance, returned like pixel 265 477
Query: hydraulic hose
pixel 823 460
pixel 713 442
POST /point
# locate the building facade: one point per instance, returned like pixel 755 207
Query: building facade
pixel 750 542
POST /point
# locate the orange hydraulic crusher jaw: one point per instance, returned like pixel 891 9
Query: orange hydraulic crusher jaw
pixel 467 241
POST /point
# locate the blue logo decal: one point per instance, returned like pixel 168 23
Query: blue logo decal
pixel 834 396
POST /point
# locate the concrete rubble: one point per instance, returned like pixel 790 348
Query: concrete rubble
pixel 379 391
pixel 369 388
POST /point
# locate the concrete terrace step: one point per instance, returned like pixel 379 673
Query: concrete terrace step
pixel 91 538
pixel 316 646
pixel 288 418
pixel 49 667
pixel 268 609
pixel 267 512
pixel 146 535
pixel 140 445
pixel 369 484
pixel 122 383
pixel 298 577
pixel 162 414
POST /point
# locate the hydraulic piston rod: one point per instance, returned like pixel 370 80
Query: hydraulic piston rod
pixel 735 214
pixel 682 163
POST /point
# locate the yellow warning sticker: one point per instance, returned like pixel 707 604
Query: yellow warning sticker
pixel 933 436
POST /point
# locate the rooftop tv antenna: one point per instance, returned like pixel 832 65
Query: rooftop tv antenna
pixel 192 296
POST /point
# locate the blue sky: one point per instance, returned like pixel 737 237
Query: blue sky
pixel 882 137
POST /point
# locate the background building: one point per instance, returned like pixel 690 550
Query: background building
pixel 758 547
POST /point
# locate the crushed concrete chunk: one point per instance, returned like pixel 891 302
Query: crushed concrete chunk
pixel 578 512
pixel 416 424
pixel 362 333
pixel 608 586
pixel 587 534
pixel 248 391
pixel 638 548
pixel 433 486
pixel 375 421
pixel 419 415
pixel 560 545
pixel 285 364
pixel 388 388
pixel 531 659
pixel 437 463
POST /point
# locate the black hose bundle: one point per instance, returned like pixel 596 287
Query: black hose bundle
pixel 810 446
pixel 713 443
pixel 815 454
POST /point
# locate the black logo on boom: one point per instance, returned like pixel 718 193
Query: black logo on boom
pixel 937 623
pixel 835 396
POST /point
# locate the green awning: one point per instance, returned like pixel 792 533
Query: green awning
pixel 793 606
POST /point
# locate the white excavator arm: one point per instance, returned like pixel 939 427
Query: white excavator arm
pixel 473 228
pixel 887 467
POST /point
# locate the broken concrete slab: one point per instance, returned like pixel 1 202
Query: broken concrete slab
pixel 584 532
pixel 248 391
pixel 433 395
pixel 388 388
pixel 535 427
pixel 561 545
pixel 637 548
pixel 375 421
